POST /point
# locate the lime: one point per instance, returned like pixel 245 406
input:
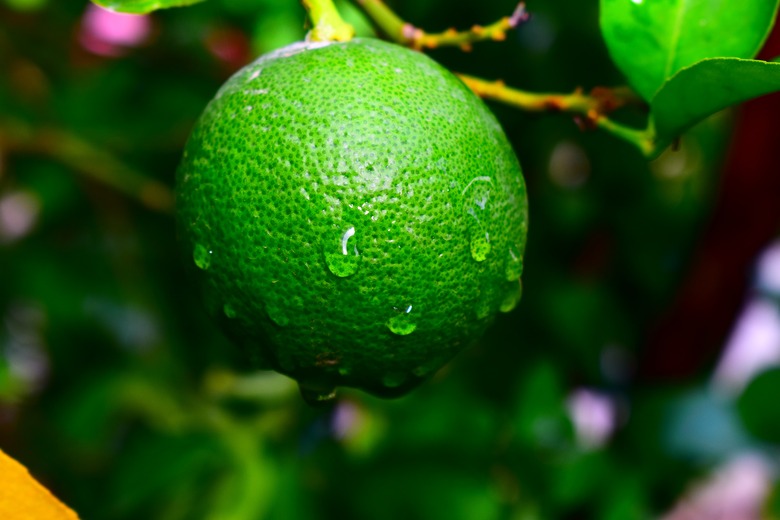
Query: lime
pixel 354 214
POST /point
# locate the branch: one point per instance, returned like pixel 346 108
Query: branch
pixel 590 110
pixel 411 36
pixel 88 160
pixel 327 22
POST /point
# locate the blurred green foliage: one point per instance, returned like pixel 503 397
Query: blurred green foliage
pixel 128 403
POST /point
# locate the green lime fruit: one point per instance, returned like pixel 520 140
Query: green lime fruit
pixel 354 213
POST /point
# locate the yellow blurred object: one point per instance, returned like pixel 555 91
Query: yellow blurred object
pixel 23 498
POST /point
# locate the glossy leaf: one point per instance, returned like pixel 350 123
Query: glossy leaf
pixel 757 408
pixel 142 6
pixel 650 40
pixel 176 459
pixel 708 87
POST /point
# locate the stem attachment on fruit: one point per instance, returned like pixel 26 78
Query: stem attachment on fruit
pixel 327 22
pixel 407 34
pixel 590 110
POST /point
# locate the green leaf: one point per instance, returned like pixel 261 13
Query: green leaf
pixel 708 87
pixel 25 5
pixel 757 406
pixel 153 467
pixel 650 40
pixel 142 6
pixel 540 418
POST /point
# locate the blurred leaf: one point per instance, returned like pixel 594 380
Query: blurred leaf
pixel 292 500
pixel 9 386
pixel 679 104
pixel 92 411
pixel 277 29
pixel 757 406
pixel 142 6
pixel 772 505
pixel 541 418
pixel 430 430
pixel 26 5
pixel 88 413
pixel 355 17
pixel 151 470
pixel 581 478
pixel 571 307
pixel 427 493
pixel 626 500
pixel 651 40
pixel 248 489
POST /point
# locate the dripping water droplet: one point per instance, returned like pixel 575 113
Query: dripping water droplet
pixel 393 380
pixel 420 371
pixel 229 311
pixel 483 308
pixel 402 323
pixel 514 266
pixel 476 197
pixel 343 259
pixel 277 314
pixel 512 298
pixel 486 302
pixel 202 256
pixel 480 246
pixel 430 366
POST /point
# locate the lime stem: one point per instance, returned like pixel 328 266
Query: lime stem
pixel 407 34
pixel 327 22
pixel 590 110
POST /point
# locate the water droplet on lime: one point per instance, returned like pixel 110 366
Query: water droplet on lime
pixel 476 194
pixel 475 201
pixel 202 256
pixel 420 371
pixel 402 323
pixel 480 246
pixel 343 258
pixel 394 380
pixel 514 266
pixel 485 303
pixel 423 370
pixel 277 314
pixel 482 309
pixel 229 311
pixel 512 298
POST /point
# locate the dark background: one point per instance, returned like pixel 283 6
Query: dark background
pixel 605 394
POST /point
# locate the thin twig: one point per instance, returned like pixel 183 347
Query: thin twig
pixel 407 34
pixel 590 110
pixel 88 160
